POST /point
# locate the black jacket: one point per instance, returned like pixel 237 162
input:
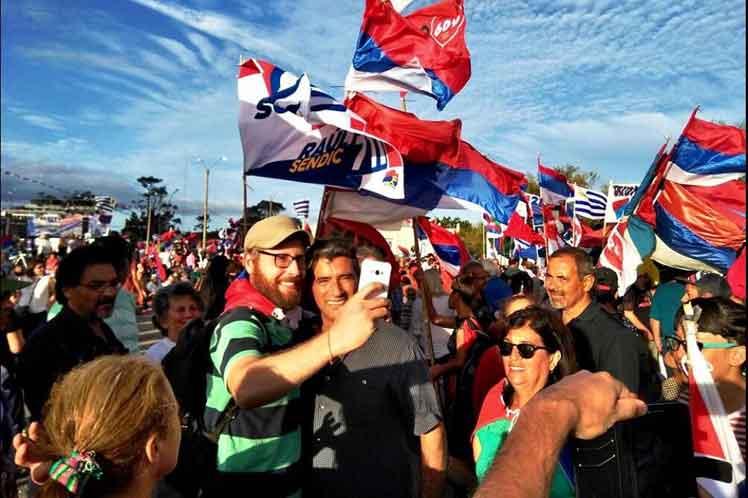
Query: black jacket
pixel 56 348
pixel 603 344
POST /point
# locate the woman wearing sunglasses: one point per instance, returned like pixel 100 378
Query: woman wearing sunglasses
pixel 536 350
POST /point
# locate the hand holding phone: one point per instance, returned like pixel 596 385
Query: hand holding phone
pixel 375 271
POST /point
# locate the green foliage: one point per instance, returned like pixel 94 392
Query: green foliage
pixel 262 209
pixel 199 225
pixel 163 211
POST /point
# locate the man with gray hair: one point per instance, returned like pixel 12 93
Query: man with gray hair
pixel 602 343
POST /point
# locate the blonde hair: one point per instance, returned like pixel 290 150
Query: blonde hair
pixel 433 281
pixel 111 406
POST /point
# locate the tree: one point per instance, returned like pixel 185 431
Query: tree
pixel 162 210
pixel 471 234
pixel 199 225
pixel 261 210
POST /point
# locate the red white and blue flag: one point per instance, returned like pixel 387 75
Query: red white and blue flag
pixel 423 52
pixel 291 130
pixel 700 212
pixel 718 460
pixel 554 189
pixel 447 246
pixel 442 170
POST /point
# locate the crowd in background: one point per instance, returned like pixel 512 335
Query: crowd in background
pixel 482 345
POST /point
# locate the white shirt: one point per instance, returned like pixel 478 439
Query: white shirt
pixel 439 335
pixel 40 295
pixel 160 349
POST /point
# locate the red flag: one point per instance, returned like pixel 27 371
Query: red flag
pixel 518 229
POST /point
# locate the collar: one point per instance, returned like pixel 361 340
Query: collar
pixel 241 293
pixel 586 315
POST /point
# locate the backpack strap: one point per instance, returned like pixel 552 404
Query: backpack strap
pixel 232 409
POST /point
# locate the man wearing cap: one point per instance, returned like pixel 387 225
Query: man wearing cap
pixel 259 361
pixel 709 285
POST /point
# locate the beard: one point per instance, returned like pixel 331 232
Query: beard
pixel 285 299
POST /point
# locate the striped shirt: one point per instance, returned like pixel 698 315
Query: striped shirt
pixel 264 441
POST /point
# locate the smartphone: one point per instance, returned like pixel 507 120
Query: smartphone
pixel 375 271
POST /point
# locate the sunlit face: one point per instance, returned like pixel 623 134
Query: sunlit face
pixel 283 286
pixel 565 287
pixel 334 283
pixel 182 310
pixel 720 359
pixel 528 376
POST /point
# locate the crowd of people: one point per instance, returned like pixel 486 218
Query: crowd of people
pixel 280 377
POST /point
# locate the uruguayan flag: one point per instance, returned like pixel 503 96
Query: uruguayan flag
pixel 589 204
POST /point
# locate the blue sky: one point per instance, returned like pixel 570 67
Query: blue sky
pixel 95 94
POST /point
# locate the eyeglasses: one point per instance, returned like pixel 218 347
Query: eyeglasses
pixel 283 261
pixel 99 287
pixel 672 344
pixel 526 351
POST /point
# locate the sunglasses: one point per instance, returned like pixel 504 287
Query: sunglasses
pixel 525 351
pixel 672 344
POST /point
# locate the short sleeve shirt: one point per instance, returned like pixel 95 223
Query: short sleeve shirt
pixel 665 304
pixel 369 409
pixel 264 440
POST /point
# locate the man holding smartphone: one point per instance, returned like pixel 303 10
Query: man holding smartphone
pixel 377 427
pixel 259 362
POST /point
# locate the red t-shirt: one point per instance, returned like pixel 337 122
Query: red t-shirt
pixel 488 373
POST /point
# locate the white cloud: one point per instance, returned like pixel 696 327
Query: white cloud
pixel 185 55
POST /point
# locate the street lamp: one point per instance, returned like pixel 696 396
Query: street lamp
pixel 205 198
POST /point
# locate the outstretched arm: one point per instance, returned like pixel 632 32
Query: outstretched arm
pixel 582 404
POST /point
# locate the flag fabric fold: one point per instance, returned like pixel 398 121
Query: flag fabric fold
pixel 442 170
pixel 699 206
pixel 291 130
pixel 447 246
pixel 424 52
pixel 554 188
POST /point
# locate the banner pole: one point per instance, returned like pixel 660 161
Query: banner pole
pixel 425 294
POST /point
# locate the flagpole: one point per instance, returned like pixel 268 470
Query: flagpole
pixel 483 248
pixel 322 212
pixel 425 294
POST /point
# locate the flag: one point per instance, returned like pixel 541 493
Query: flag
pixel 700 207
pixel 423 52
pixel 493 230
pixel 442 170
pixel 291 130
pixel 301 208
pixel 718 461
pixel 104 204
pixel 553 186
pixel 534 203
pixel 524 250
pixel 619 195
pixel 583 235
pixel 518 229
pixel 556 233
pixel 447 246
pixel 588 203
pixel 736 276
pixel 628 244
